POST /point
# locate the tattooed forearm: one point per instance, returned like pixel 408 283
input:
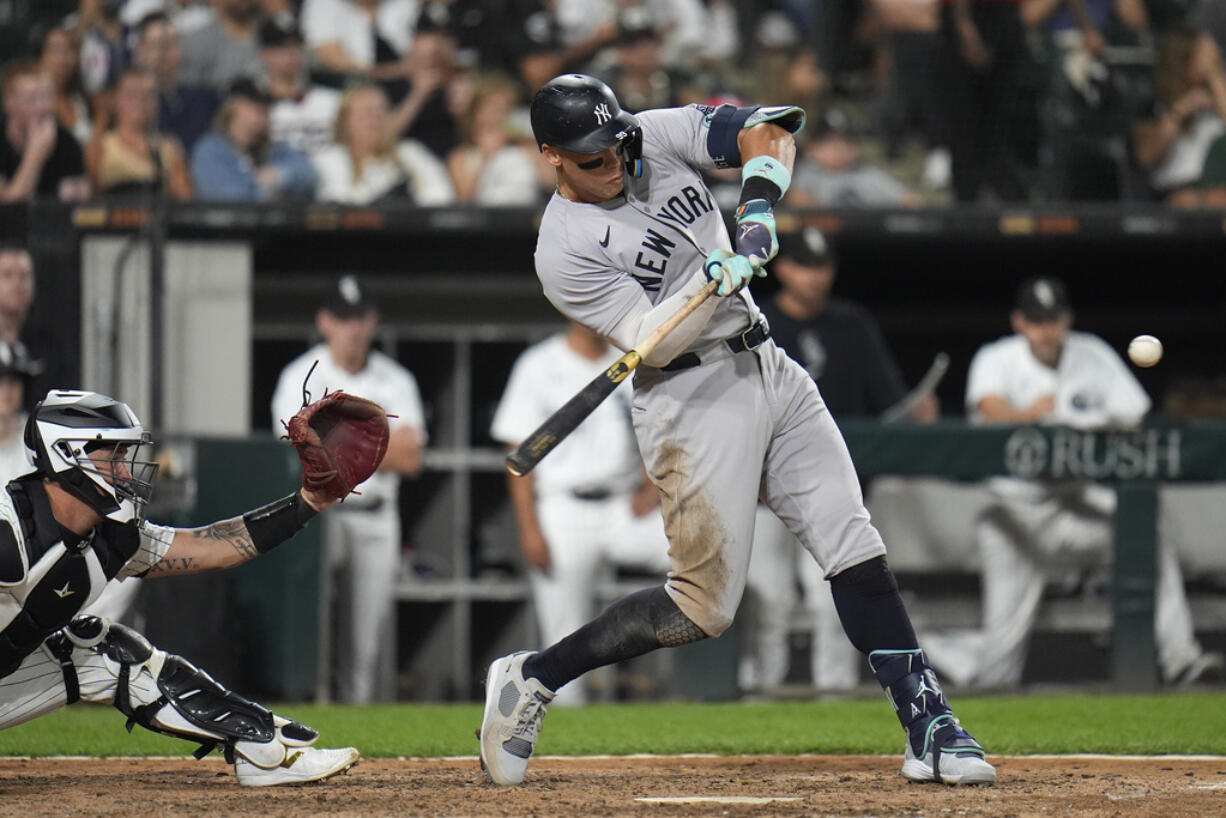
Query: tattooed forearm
pixel 232 531
pixel 173 565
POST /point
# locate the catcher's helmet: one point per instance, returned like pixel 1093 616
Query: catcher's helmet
pixel 64 431
pixel 579 113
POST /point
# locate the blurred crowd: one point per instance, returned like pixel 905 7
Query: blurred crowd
pixel 364 101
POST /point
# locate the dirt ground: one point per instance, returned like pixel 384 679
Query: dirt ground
pixel 816 785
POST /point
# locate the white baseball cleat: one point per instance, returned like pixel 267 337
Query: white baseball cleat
pixel 951 756
pixel 514 710
pixel 301 765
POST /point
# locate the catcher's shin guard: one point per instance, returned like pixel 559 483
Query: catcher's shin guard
pixel 188 703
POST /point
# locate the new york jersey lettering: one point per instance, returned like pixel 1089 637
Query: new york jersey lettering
pixel 660 246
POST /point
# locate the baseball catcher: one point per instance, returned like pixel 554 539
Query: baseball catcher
pixel 75 524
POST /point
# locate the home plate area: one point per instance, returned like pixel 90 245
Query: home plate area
pixel 1103 786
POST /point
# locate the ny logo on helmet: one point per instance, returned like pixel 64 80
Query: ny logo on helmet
pixel 602 113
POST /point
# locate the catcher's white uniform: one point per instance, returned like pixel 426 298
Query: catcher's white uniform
pixel 1036 532
pixel 362 534
pixel 45 578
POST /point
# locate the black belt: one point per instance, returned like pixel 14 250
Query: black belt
pixel 749 339
pixel 370 505
pixel 591 494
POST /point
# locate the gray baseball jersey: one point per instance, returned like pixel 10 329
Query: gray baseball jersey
pixel 596 261
pixel 716 436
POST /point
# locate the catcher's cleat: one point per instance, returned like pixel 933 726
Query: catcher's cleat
pixel 514 709
pixel 300 766
pixel 948 754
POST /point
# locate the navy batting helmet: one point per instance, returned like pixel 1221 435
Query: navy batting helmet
pixel 579 113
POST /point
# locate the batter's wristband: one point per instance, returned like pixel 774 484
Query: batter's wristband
pixel 764 177
pixel 273 524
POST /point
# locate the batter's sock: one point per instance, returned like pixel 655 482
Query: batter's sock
pixel 870 608
pixel 633 625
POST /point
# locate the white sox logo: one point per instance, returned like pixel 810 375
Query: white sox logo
pixel 602 113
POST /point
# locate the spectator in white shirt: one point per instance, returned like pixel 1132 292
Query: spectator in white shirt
pixel 364 37
pixel 366 163
pixel 496 163
pixel 301 114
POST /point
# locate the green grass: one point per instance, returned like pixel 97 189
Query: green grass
pixel 1168 723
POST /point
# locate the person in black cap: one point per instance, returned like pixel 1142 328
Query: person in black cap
pixel 836 340
pixel 237 160
pixel 844 350
pixel 302 113
pixel 1032 531
pixel 362 542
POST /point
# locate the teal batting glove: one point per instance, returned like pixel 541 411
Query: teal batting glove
pixel 732 271
pixel 756 239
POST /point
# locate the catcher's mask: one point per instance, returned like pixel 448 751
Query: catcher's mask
pixel 92 446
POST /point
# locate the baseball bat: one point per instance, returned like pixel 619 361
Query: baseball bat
pixel 562 422
pixel 926 386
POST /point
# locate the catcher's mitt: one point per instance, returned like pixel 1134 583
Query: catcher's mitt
pixel 340 439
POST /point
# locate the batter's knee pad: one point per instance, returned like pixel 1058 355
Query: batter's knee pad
pixel 672 627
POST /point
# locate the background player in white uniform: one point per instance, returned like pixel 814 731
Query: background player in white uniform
pixel 75 525
pixel 362 536
pixel 588 504
pixel 1040 531
pixel 722 415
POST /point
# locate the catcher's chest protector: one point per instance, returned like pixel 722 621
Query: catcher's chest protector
pixel 45 580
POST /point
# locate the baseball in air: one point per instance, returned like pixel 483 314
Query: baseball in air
pixel 1145 350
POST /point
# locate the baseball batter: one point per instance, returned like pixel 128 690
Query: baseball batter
pixel 586 505
pixel 1034 531
pixel 722 415
pixel 362 536
pixel 73 527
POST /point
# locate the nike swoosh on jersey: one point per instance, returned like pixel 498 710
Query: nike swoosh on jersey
pixel 605 241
